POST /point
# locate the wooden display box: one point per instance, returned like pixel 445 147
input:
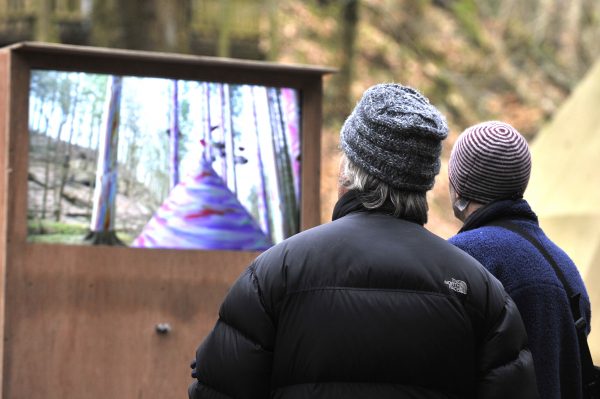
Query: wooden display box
pixel 80 321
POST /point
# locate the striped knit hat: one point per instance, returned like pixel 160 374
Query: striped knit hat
pixel 395 135
pixel 490 161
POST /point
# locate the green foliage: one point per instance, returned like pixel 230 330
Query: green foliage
pixel 55 228
pixel 57 239
pixel 467 14
pixel 442 87
pixel 417 7
pixel 52 232
pixel 126 238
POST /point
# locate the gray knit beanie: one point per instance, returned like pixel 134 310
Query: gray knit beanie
pixel 395 135
pixel 490 161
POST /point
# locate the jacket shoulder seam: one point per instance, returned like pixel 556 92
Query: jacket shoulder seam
pixel 334 288
pixel 243 335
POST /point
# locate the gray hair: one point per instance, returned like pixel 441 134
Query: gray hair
pixel 375 194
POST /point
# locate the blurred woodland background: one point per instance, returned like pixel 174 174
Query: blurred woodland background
pixel 475 59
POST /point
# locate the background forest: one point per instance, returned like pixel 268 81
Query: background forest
pixel 475 59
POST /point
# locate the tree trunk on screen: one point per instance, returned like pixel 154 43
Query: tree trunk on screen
pixel 174 137
pixel 287 171
pixel 64 100
pixel 48 156
pixel 218 142
pixel 57 165
pixel 272 177
pixel 263 206
pixel 95 119
pixel 102 226
pixel 132 160
pixel 231 138
pixel 208 126
pixel 67 155
pixel 36 125
pixel 285 179
pixel 226 124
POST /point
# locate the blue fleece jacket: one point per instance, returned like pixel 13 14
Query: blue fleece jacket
pixel 532 283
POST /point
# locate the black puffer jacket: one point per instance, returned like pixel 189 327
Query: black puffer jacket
pixel 368 306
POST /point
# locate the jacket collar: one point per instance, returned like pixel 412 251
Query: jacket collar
pixel 346 204
pixel 502 209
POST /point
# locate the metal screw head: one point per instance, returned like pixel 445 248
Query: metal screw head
pixel 163 328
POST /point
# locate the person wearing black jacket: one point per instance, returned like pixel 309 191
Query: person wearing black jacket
pixel 371 305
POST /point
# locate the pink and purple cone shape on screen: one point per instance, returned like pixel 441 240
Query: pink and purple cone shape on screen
pixel 202 213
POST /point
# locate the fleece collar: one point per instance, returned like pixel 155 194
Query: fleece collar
pixel 502 209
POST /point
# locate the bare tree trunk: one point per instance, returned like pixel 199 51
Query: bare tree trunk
pixel 589 43
pixel 226 125
pixel 507 9
pixel 107 29
pixel 208 156
pixel 544 12
pixel 173 25
pixel 285 180
pixel 45 30
pixel 274 33
pixel 67 157
pixel 174 137
pixel 142 24
pixel 102 226
pixel 91 145
pixel 263 206
pixel 48 157
pixel 570 35
pixel 37 114
pixel 343 101
pixel 224 43
pixel 58 154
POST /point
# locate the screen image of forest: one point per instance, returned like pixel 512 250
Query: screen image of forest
pixel 160 163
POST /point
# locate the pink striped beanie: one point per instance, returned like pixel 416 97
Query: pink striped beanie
pixel 490 161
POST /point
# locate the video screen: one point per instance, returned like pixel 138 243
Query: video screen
pixel 160 163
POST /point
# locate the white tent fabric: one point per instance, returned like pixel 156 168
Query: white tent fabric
pixel 564 189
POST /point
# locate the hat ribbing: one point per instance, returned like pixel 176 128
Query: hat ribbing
pixel 395 134
pixel 490 161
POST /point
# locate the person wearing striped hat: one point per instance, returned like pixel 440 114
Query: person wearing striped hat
pixel 489 169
